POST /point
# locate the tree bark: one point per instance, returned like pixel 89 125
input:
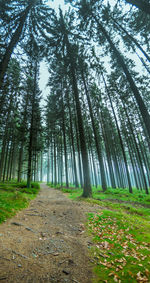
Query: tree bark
pixel 120 139
pixel 65 144
pixel 87 189
pixel 96 137
pixel 30 147
pixel 13 42
pixel 72 141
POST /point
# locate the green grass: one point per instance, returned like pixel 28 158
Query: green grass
pixel 120 246
pixel 118 193
pixel 15 196
pixel 124 195
pixel 116 199
pixel 121 238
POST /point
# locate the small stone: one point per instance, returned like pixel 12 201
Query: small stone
pixel 16 223
pixel 70 261
pixel 58 233
pixel 65 271
pixel 19 265
pixel 29 229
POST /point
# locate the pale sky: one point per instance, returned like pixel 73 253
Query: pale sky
pixel 44 75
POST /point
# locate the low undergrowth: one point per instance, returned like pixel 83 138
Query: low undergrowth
pixel 120 247
pixel 15 196
pixel 121 239
pixel 116 199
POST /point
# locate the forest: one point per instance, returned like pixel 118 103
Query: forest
pixel 94 128
pixel 90 135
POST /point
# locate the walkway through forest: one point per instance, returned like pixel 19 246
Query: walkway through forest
pixel 46 242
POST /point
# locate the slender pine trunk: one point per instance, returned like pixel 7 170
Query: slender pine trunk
pixel 12 44
pixel 142 107
pixel 96 137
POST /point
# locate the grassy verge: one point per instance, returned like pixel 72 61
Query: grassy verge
pixel 118 199
pixel 15 196
pixel 121 238
pixel 120 246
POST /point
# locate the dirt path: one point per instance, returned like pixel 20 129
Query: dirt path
pixel 46 242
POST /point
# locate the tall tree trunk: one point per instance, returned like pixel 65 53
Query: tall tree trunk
pixel 65 144
pixel 109 159
pixel 94 168
pixel 96 137
pixel 61 163
pixel 87 190
pixel 121 62
pixel 29 172
pixel 52 162
pixel 72 141
pixel 5 164
pixel 137 149
pixel 120 139
pixel 9 160
pixel 55 161
pixel 20 161
pixel 41 167
pixel 78 149
pixel 48 164
pixel 3 155
pixel 30 147
pixel 13 42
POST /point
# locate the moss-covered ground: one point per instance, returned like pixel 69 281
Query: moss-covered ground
pixel 15 196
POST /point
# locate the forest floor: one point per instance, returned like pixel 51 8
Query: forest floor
pixel 47 242
pixel 62 237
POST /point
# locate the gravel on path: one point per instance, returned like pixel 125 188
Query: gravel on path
pixel 47 242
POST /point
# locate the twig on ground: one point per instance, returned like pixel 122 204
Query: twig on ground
pixel 20 254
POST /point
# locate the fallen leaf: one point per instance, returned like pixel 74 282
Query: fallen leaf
pixel 111 274
pixel 144 257
pixel 119 266
pixel 105 245
pixel 116 278
pixel 147 272
pixel 141 278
